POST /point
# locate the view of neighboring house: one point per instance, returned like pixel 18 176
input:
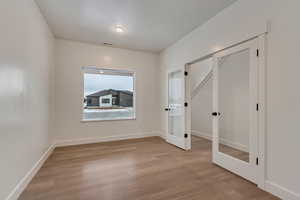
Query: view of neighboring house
pixel 110 98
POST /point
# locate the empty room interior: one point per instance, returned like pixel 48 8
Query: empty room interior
pixel 149 100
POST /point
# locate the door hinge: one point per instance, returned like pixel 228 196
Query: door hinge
pixel 256 161
pixel 257 107
pixel 185 104
pixel 186 135
pixel 257 52
pixel 186 73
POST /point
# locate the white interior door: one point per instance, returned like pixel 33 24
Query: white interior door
pixel 235 95
pixel 176 109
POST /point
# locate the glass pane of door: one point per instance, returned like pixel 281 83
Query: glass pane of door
pixel 175 98
pixel 234 104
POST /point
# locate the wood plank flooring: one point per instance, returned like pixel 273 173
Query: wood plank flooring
pixel 140 169
pixel 242 155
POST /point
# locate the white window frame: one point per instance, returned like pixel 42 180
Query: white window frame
pixel 98 69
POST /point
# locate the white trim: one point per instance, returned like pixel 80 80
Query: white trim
pixel 280 191
pixel 62 143
pixel 202 135
pixel 16 192
pixel 262 116
pixel 215 124
pixel 188 109
pixel 109 70
pixel 103 120
pixel 163 135
pixel 234 145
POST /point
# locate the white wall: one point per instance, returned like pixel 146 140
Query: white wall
pixel 70 58
pixel 236 23
pixel 26 72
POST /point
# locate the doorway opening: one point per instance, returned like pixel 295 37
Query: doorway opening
pixel 201 97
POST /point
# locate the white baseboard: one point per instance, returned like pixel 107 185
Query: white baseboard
pixel 208 136
pixel 202 134
pixel 14 195
pixel 281 192
pixel 61 143
pixel 163 135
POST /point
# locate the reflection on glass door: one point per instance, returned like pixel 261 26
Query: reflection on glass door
pixel 234 104
pixel 235 139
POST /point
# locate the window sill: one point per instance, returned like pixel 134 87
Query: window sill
pixel 104 120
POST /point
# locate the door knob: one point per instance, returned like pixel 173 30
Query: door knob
pixel 216 114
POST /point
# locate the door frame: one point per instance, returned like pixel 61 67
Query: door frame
pixel 262 96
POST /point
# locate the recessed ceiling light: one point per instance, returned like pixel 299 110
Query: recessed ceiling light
pixel 101 72
pixel 119 29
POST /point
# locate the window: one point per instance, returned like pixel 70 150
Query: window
pixel 105 100
pixel 108 94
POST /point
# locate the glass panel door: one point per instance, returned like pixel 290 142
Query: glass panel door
pixel 234 104
pixel 176 96
pixel 235 139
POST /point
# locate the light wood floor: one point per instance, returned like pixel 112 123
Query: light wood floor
pixel 140 169
pixel 242 155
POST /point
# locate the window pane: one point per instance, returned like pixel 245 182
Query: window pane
pixel 108 95
pixel 105 100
